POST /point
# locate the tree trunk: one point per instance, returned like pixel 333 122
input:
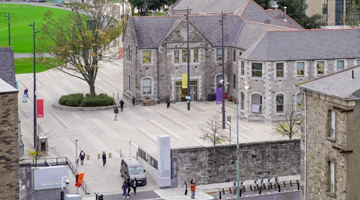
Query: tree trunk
pixel 92 89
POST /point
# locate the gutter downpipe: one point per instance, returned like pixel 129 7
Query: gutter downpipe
pixel 158 73
pixel 305 175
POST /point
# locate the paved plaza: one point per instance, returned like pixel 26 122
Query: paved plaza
pixel 97 131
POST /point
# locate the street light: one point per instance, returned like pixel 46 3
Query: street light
pixel 188 58
pixel 8 17
pixel 146 3
pixel 77 163
pixel 35 122
pixel 222 65
pixel 62 194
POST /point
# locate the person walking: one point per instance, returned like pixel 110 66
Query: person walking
pixel 168 103
pixel 185 187
pixel 124 187
pixel 82 157
pixel 121 105
pixel 133 101
pixel 26 92
pixel 192 188
pixel 116 112
pixel 104 158
pixel 128 187
pixel 134 185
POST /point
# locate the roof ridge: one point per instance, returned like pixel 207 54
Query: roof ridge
pixel 277 26
pixel 340 29
pixel 286 15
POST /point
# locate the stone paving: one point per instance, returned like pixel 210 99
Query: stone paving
pixel 97 131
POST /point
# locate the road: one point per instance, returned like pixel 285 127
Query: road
pixel 291 195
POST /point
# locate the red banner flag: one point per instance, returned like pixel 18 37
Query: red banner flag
pixel 79 179
pixel 40 108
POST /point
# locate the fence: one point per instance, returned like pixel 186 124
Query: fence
pixel 149 159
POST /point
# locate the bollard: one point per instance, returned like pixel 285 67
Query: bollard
pixel 284 184
pixel 120 152
pixel 279 188
pixel 220 195
pixel 259 190
pixel 250 187
pixel 298 184
pixel 109 155
pixel 290 183
pixel 269 186
pixel 223 190
pixel 113 96
pixel 88 157
pixel 98 156
pixel 230 190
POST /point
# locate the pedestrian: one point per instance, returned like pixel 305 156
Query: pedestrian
pixel 192 188
pixel 124 187
pixel 133 101
pixel 128 187
pixel 104 158
pixel 185 187
pixel 121 105
pixel 82 157
pixel 134 185
pixel 116 112
pixel 168 103
pixel 26 92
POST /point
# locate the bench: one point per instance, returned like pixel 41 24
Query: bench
pixel 148 102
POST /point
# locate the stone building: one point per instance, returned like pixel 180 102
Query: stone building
pixel 265 50
pixel 330 136
pixel 7 65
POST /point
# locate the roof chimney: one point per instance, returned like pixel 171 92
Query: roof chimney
pixel 285 13
pixel 352 74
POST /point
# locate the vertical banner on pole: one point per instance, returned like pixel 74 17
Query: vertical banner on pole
pixel 219 95
pixel 17 85
pixel 184 80
pixel 40 108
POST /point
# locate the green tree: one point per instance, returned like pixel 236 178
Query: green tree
pixel 213 131
pixel 352 18
pixel 80 39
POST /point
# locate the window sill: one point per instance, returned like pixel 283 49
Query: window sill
pixel 256 77
pixel 331 194
pixel 331 139
pixel 280 78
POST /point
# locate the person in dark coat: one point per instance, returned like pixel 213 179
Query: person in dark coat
pixel 128 187
pixel 121 105
pixel 124 187
pixel 133 101
pixel 168 103
pixel 104 158
pixel 82 156
pixel 134 185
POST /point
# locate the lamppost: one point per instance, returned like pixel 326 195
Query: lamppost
pixel 146 3
pixel 222 65
pixel 35 122
pixel 62 194
pixel 188 58
pixel 8 17
pixel 123 18
pixel 77 163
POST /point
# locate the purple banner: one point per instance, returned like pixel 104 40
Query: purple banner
pixel 219 95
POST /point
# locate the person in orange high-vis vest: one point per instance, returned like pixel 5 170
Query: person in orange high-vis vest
pixel 192 188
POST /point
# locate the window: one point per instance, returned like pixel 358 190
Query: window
pixel 176 56
pixel 256 69
pixel 279 103
pixel 340 65
pixel 184 57
pixel 357 62
pixel 196 55
pixel 234 80
pixel 332 124
pixel 279 70
pixel 129 83
pixel 339 11
pixel 320 68
pixel 219 54
pixel 128 53
pixel 218 79
pixel 298 102
pixel 331 177
pixel 242 68
pixel 146 56
pixel 256 103
pixel 234 56
pixel 146 84
pixel 242 97
pixel 300 68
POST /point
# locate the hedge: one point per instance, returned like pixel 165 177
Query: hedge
pixel 75 100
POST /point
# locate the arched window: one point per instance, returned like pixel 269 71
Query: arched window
pixel 218 79
pixel 256 103
pixel 242 101
pixel 146 84
pixel 279 103
pixel 298 102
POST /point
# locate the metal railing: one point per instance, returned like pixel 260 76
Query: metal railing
pixel 149 159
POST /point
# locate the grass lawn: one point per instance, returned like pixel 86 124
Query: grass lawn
pixel 25 65
pixel 21 16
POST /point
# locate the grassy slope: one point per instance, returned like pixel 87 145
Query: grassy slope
pixel 25 65
pixel 21 17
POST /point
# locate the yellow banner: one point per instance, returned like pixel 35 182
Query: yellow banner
pixel 184 80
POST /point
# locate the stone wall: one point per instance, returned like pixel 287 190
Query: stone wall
pixel 9 146
pixel 209 165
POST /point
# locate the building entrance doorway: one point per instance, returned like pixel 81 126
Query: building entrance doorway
pixel 180 93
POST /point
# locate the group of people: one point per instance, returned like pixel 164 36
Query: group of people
pixel 82 157
pixel 126 187
pixel 192 188
pixel 116 110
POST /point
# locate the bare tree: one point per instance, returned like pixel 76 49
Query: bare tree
pixel 77 41
pixel 213 131
pixel 288 125
pixel 36 154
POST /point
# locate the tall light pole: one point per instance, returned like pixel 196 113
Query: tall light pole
pixel 77 163
pixel 34 61
pixel 222 65
pixel 146 3
pixel 188 58
pixel 8 17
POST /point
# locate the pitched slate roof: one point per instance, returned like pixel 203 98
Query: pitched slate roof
pixel 210 6
pixel 306 45
pixel 7 69
pixel 280 15
pixel 339 84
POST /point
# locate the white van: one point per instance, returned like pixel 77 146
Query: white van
pixel 131 168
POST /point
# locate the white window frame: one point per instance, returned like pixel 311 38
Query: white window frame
pixel 193 55
pixel 218 57
pixel 252 70
pixel 298 106
pixel 142 56
pixel 357 62
pixel 242 98
pixel 297 69
pixel 278 104
pixel 317 69
pixel 179 58
pixel 256 108
pixel 337 65
pixel 147 86
pixel 332 124
pixel 331 177
pixel 283 70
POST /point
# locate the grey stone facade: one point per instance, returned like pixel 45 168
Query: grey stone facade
pixel 330 127
pixel 7 65
pixel 218 164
